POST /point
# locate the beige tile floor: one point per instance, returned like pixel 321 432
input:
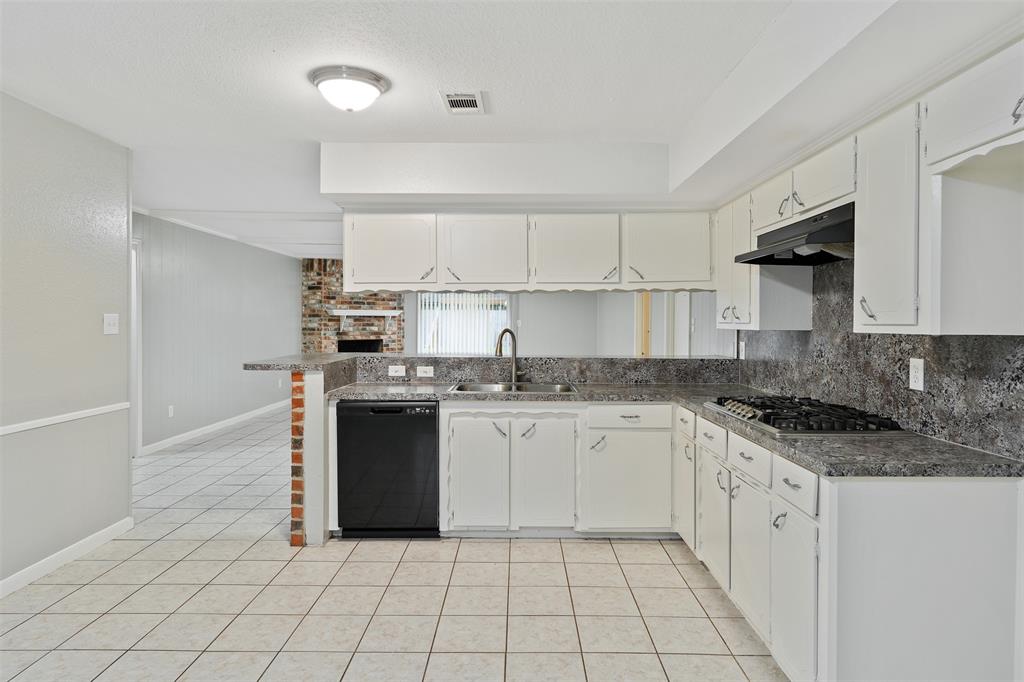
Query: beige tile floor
pixel 206 587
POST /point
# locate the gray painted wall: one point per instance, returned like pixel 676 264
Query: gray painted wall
pixel 208 305
pixel 63 264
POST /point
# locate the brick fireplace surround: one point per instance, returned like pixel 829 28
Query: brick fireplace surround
pixel 322 292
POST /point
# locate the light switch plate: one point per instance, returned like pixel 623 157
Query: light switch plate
pixel 111 323
pixel 424 370
pixel 916 374
pixel 396 370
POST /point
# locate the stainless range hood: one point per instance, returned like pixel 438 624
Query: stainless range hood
pixel 823 238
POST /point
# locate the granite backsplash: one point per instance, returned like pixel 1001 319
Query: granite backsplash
pixel 974 385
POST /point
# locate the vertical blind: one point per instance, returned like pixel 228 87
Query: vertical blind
pixel 461 322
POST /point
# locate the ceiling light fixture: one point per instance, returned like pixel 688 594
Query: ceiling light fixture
pixel 349 88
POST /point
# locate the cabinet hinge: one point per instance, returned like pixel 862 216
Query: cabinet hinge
pixel 917 302
pixel 817 549
pixel 926 150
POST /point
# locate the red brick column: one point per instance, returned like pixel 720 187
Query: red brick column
pixel 298 530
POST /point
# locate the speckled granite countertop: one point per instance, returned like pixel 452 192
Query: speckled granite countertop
pixel 900 455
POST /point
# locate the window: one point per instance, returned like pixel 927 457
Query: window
pixel 464 323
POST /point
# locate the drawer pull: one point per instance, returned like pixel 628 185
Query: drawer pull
pixel 718 477
pixel 629 416
pixel 745 456
pixel 794 486
pixel 498 429
pixel 708 436
pixel 684 420
pixel 779 521
pixel 599 441
pixel 527 432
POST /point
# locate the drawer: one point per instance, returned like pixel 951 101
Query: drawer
pixel 712 436
pixel 686 422
pixel 796 484
pixel 630 416
pixel 751 458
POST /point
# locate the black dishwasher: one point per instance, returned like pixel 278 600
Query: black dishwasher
pixel 387 469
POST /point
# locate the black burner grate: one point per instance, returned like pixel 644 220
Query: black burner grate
pixel 805 414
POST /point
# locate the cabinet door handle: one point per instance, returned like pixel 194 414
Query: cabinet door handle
pixel 708 435
pixel 796 199
pixel 599 441
pixel 427 273
pixel 498 429
pixel 724 311
pixel 718 477
pixel 452 273
pixel 735 492
pixel 782 206
pixel 527 432
pixel 745 456
pixel 779 521
pixel 610 273
pixel 1016 114
pixel 794 486
pixel 734 315
pixel 684 420
pixel 639 274
pixel 686 453
pixel 867 309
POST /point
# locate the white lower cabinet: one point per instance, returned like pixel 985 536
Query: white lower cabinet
pixel 750 543
pixel 713 515
pixel 627 479
pixel 684 489
pixel 794 591
pixel 543 472
pixel 478 467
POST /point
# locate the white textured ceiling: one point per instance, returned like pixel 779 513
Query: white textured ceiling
pixel 213 97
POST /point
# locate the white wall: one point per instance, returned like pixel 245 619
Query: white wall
pixel 557 323
pixel 208 305
pixel 63 264
pixel 616 323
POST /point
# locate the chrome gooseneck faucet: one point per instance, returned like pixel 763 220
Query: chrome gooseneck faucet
pixel 497 352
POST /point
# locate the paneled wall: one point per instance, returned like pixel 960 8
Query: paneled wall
pixel 974 385
pixel 208 305
pixel 63 265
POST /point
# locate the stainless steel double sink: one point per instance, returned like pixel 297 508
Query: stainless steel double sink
pixel 518 387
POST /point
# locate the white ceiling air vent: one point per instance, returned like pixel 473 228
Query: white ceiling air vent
pixel 463 102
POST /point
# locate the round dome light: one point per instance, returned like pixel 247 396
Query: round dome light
pixel 349 88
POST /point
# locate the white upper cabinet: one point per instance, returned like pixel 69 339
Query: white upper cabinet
pixel 824 177
pixel 978 106
pixel 484 249
pixel 580 248
pixel 391 248
pixel 543 472
pixel 733 280
pixel 668 247
pixel 885 284
pixel 772 202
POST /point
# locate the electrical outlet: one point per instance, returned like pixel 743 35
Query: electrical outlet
pixel 170 411
pixel 916 374
pixel 280 382
pixel 111 323
pixel 743 350
pixel 424 370
pixel 396 370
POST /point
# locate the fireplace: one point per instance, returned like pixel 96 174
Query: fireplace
pixel 360 345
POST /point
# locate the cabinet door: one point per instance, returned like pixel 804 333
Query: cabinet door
pixel 885 263
pixel 794 591
pixel 543 472
pixel 713 517
pixel 740 274
pixel 751 538
pixel 668 247
pixel 628 479
pixel 479 471
pixel 391 248
pixel 576 248
pixel 980 105
pixel 724 253
pixel 485 248
pixel 684 490
pixel 824 177
pixel 772 202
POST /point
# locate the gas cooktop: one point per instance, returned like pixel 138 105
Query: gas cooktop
pixel 784 416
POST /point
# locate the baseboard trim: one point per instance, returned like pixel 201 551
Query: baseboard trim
pixel 209 428
pixel 58 559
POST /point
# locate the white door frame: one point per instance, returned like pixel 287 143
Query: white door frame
pixel 135 351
